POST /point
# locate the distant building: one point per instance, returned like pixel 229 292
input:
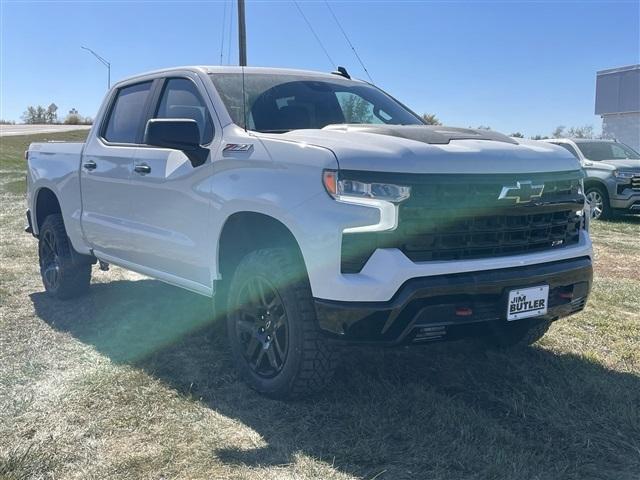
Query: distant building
pixel 618 103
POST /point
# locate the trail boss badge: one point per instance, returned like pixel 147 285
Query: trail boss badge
pixel 527 302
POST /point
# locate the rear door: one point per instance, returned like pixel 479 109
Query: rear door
pixel 171 197
pixel 107 164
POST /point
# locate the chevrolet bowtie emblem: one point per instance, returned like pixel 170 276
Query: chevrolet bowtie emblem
pixel 521 192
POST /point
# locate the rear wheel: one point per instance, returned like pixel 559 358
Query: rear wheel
pixel 62 277
pixel 272 328
pixel 598 202
pixel 513 335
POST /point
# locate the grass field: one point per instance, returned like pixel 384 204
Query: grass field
pixel 132 382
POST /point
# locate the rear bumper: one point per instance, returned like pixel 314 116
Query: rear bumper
pixel 429 308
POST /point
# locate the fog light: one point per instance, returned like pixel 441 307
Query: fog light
pixel 463 312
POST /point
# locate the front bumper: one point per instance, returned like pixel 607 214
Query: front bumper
pixel 630 203
pixel 429 308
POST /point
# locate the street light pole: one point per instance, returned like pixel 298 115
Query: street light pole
pixel 242 35
pixel 104 62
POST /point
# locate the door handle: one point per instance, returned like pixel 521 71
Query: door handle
pixel 90 165
pixel 142 169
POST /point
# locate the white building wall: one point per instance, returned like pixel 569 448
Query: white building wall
pixel 623 127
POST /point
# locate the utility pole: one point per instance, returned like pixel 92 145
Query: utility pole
pixel 242 35
pixel 104 62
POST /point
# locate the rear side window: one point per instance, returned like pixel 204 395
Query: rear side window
pixel 127 113
pixel 181 99
pixel 566 146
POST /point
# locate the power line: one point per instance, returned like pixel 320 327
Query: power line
pixel 333 64
pixel 348 41
pixel 224 25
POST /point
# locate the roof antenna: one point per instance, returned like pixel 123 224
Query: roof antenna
pixel 341 71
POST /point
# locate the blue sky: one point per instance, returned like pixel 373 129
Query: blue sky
pixel 513 65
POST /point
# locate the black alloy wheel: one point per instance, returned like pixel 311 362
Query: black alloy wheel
pixel 262 327
pixel 273 332
pixel 50 264
pixel 65 274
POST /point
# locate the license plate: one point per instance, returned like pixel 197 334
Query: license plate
pixel 527 302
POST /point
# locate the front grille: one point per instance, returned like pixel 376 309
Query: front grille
pixel 635 182
pixel 460 218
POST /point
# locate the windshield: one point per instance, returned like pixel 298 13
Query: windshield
pixel 278 103
pixel 598 151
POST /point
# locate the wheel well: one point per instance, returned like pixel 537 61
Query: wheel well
pixel 46 204
pixel 245 232
pixel 590 182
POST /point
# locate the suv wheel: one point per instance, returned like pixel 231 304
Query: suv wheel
pixel 62 277
pixel 598 203
pixel 276 344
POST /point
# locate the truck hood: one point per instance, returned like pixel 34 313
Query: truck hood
pixel 620 164
pixel 424 149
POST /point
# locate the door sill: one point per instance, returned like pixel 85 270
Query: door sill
pixel 174 280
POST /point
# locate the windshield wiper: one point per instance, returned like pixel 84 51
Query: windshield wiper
pixel 276 130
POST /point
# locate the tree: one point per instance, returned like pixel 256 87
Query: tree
pixel 517 135
pixel 483 127
pixel 558 132
pixel 586 131
pixel 357 110
pixel 73 119
pixel 35 115
pixel 51 116
pixel 431 119
pixel 539 137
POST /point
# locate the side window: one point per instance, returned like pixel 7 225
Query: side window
pixel 127 113
pixel 181 99
pixel 618 152
pixel 358 110
pixel 566 146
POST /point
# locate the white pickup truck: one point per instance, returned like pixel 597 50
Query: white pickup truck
pixel 318 211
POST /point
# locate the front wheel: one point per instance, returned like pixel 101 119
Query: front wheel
pixel 272 328
pixel 598 203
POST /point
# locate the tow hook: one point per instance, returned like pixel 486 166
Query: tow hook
pixel 104 266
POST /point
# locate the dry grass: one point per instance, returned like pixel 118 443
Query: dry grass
pixel 132 381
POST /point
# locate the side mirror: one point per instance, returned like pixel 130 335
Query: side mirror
pixel 177 133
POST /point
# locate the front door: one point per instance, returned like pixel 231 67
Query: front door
pixel 107 165
pixel 170 197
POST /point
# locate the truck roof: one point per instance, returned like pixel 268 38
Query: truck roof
pixel 579 140
pixel 237 69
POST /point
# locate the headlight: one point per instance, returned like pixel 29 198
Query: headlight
pixel 624 174
pixel 353 188
pixel 382 196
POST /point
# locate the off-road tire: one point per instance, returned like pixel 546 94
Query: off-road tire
pixel 73 274
pixel 310 359
pixel 515 335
